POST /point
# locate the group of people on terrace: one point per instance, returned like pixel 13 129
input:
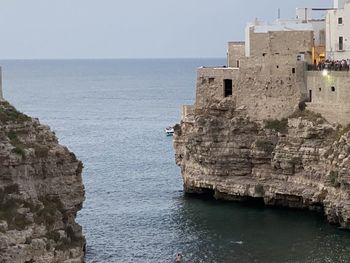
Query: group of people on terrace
pixel 336 65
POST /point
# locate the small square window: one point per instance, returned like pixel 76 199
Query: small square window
pixel 340 20
pixel 211 80
pixel 293 70
pixel 333 89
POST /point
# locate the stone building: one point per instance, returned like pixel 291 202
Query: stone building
pixel 227 150
pixel 267 75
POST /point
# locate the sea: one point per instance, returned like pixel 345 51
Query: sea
pixel 112 114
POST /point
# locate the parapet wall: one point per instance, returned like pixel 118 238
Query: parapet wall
pixel 187 114
pixel 330 95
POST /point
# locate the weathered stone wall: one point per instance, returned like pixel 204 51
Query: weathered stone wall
pixel 270 87
pixel 269 83
pixel 266 86
pixel 287 43
pixel 236 52
pixel 330 95
pixel 187 112
pixel 210 84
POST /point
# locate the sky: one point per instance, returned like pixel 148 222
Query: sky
pixel 44 29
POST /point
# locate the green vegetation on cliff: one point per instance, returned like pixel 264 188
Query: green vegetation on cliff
pixel 277 125
pixel 9 208
pixel 282 125
pixel 8 113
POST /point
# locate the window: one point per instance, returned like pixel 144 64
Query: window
pixel 301 57
pixel 293 70
pixel 228 87
pixel 211 80
pixel 310 95
pixel 237 63
pixel 319 89
pixel 322 37
pixel 333 89
pixel 341 43
pixel 340 20
pixel 277 66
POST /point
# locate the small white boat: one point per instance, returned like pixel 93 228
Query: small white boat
pixel 169 131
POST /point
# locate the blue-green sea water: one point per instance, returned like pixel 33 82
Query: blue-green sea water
pixel 112 113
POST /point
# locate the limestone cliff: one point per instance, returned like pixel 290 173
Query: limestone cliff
pixel 299 162
pixel 41 191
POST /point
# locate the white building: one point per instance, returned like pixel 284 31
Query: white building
pixel 339 4
pixel 338 31
pixel 305 15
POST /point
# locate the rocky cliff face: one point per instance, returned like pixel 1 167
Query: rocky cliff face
pixel 41 191
pixel 299 162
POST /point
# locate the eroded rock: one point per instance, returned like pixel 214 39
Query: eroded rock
pixel 305 164
pixel 41 192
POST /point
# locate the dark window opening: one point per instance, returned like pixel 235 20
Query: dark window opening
pixel 264 54
pixel 341 43
pixel 310 95
pixel 319 89
pixel 228 87
pixel 237 62
pixel 333 89
pixel 211 80
pixel 277 66
pixel 340 20
pixel 293 70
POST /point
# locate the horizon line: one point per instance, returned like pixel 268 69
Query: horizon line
pixel 146 58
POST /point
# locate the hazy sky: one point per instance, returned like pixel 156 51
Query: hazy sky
pixel 131 28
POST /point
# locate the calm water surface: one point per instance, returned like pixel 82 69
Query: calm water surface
pixel 111 113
